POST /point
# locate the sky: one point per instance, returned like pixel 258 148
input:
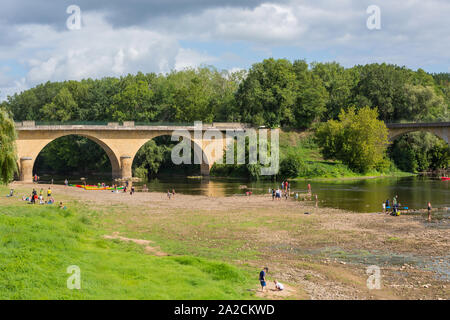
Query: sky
pixel 40 40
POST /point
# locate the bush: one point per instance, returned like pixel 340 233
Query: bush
pixel 141 172
pixel 290 166
pixel 358 139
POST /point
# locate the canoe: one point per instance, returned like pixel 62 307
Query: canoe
pixel 445 178
pixel 91 187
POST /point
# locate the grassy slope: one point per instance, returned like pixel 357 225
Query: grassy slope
pixel 302 145
pixel 38 243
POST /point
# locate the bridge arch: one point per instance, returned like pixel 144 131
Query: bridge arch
pixel 197 151
pixel 440 133
pixel 440 129
pixel 27 162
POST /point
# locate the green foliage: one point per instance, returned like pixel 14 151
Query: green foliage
pixel 277 92
pixel 150 158
pixel 8 157
pixel 290 166
pixel 399 93
pixel 338 82
pixel 140 172
pixel 62 108
pixel 358 139
pixel 419 152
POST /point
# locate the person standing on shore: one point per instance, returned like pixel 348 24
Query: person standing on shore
pixel 262 278
pixel 429 211
pixel 394 206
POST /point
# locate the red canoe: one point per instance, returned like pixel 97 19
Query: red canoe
pixel 445 178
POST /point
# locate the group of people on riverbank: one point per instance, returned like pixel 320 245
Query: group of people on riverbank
pixel 396 207
pixel 285 192
pixel 35 198
pixel 278 193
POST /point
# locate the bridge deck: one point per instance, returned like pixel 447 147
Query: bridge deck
pixel 417 125
pixel 126 126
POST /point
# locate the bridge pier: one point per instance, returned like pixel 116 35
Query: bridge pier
pixel 26 169
pixel 126 163
pixel 205 168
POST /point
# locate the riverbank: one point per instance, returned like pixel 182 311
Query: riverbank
pixel 319 255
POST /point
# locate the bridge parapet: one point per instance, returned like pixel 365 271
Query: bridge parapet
pixel 126 125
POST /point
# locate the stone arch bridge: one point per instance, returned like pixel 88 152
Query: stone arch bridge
pixel 440 129
pixel 120 142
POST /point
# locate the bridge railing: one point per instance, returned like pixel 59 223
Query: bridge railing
pixel 128 124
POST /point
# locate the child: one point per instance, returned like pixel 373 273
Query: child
pixel 262 278
pixel 278 286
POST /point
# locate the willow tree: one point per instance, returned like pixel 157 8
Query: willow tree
pixel 8 157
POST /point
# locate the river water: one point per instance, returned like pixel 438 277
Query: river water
pixel 360 195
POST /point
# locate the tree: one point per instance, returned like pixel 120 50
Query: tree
pixel 133 102
pixel 338 82
pixel 8 155
pixel 358 139
pixel 311 96
pixel 382 86
pixel 267 94
pixel 279 93
pixel 419 152
pixel 424 104
pixel 62 108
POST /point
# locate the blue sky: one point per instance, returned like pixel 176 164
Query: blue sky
pixel 120 37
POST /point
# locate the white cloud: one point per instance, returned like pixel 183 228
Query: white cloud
pixel 94 51
pixel 188 58
pixel 413 33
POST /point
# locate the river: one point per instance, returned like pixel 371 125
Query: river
pixel 360 195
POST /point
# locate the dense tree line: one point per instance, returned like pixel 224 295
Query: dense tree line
pixel 272 93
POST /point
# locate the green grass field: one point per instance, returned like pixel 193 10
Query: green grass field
pixel 38 243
